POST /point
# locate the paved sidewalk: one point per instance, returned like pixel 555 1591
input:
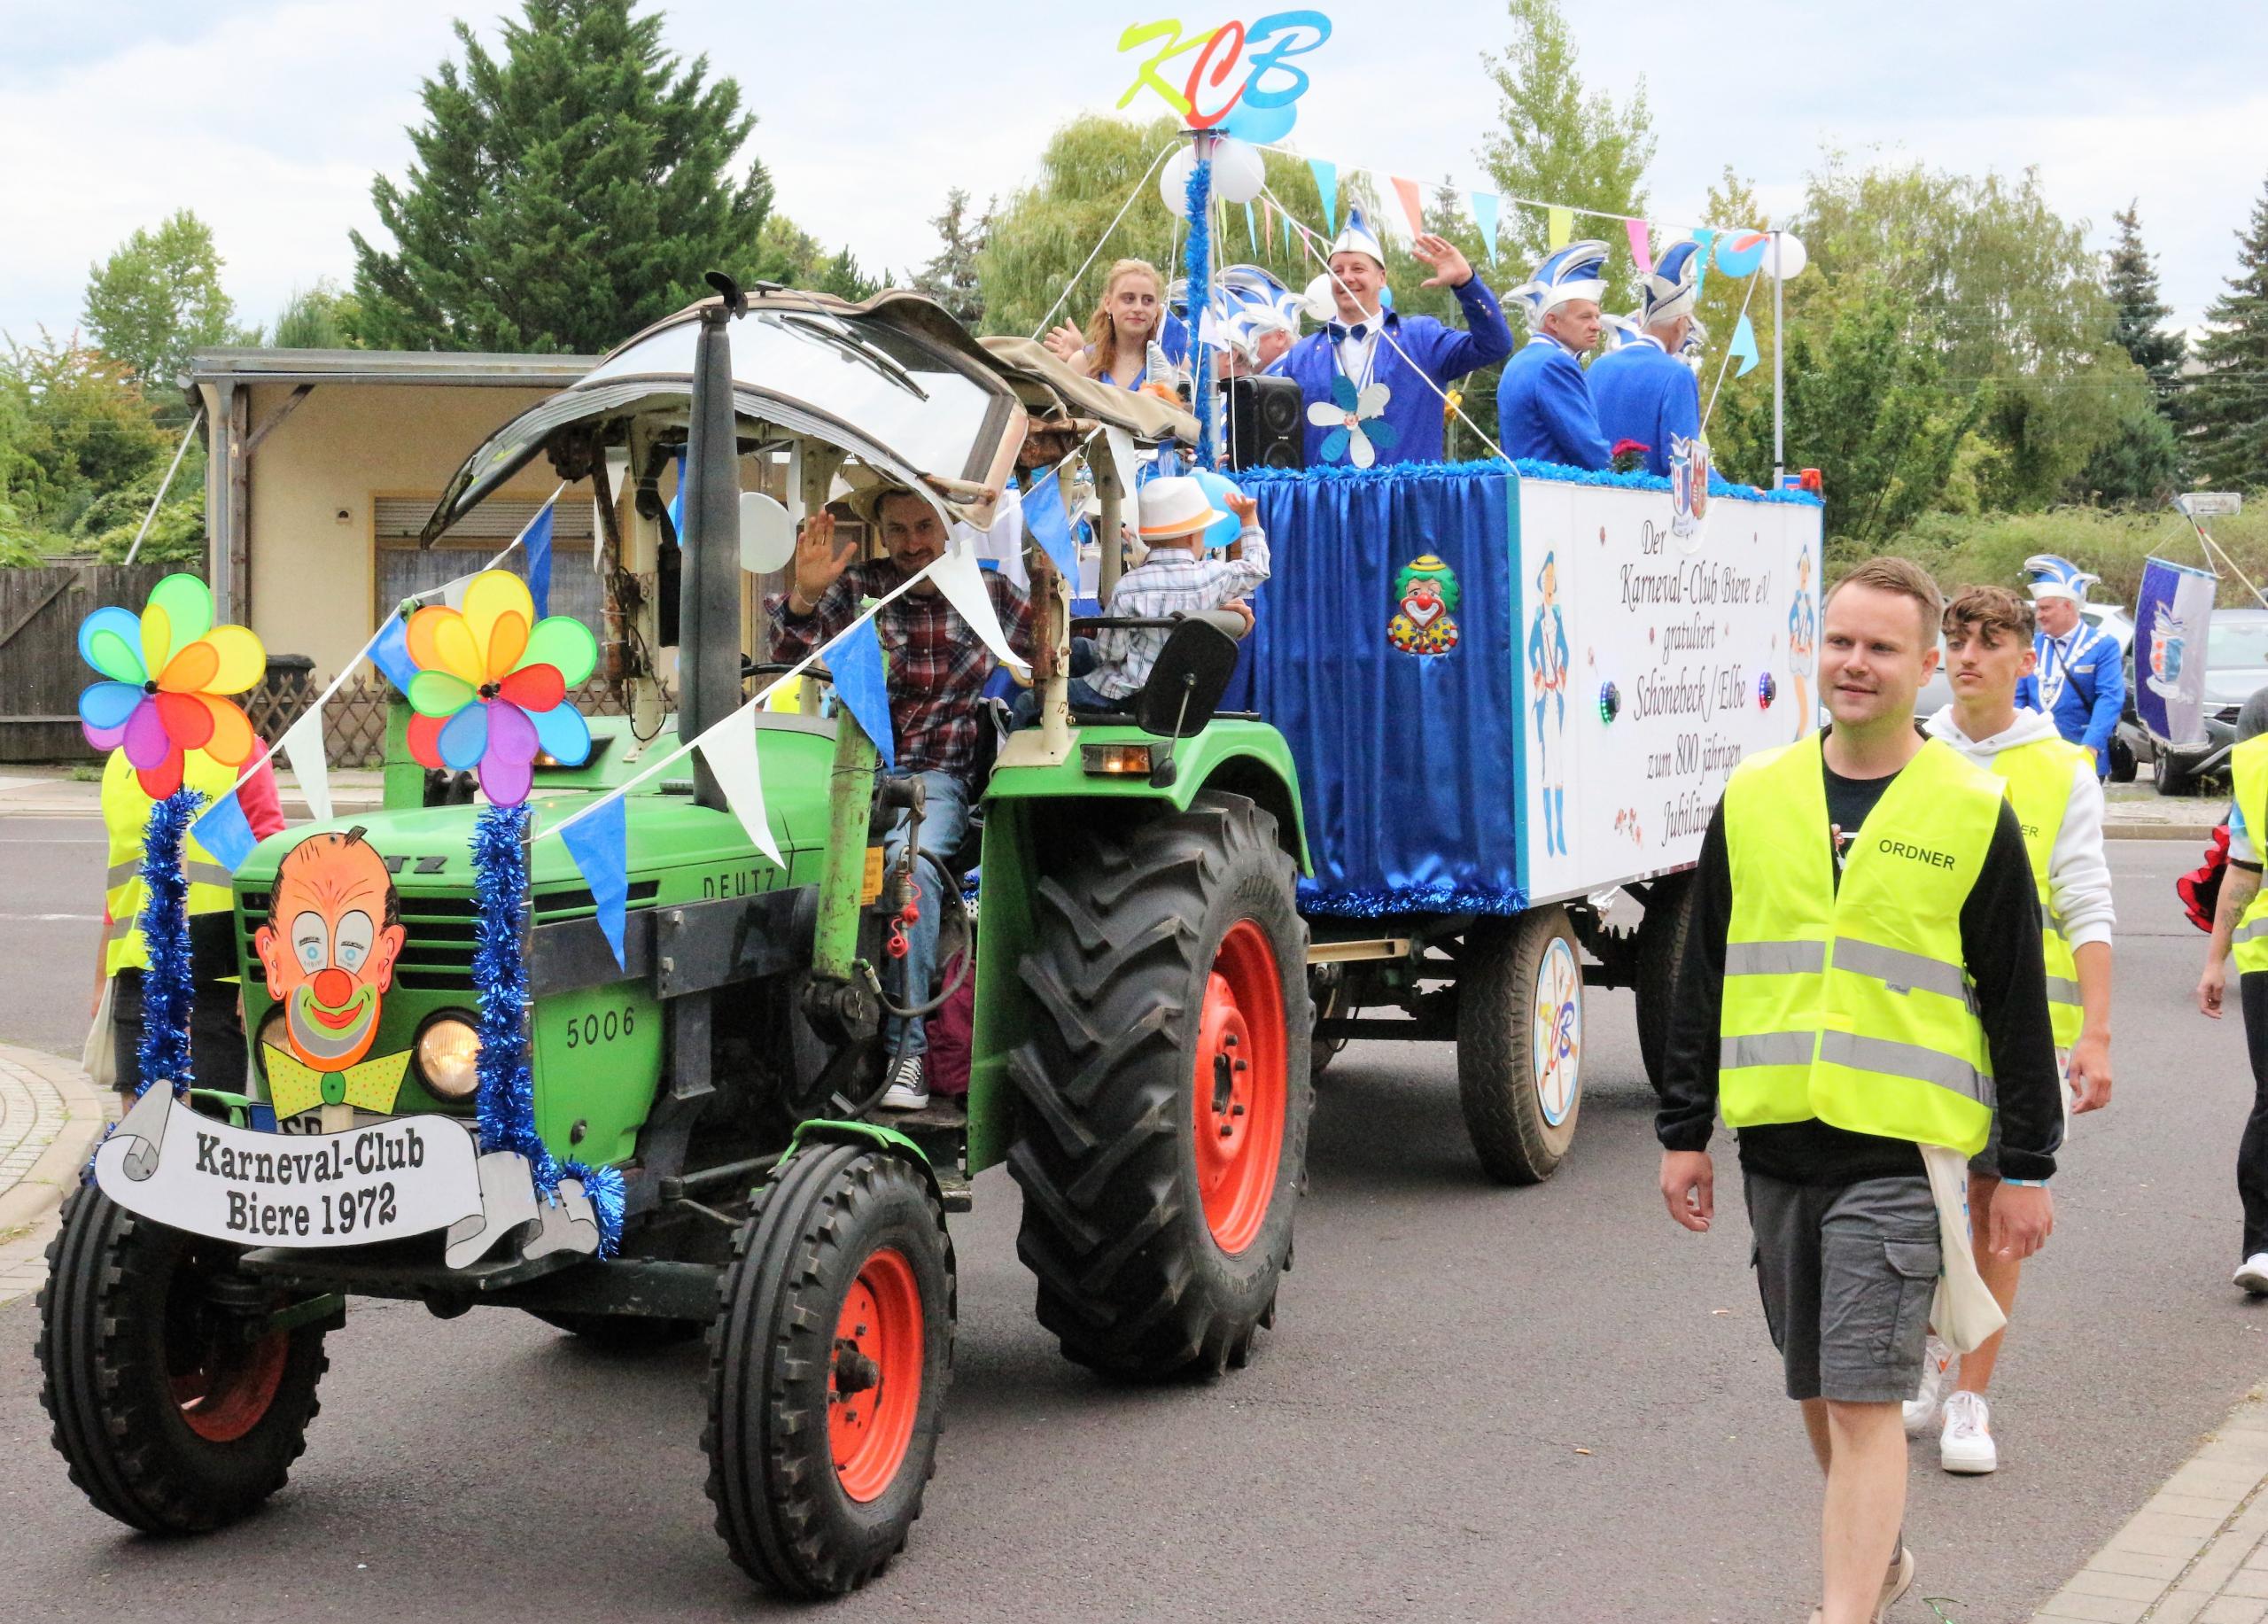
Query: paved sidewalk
pixel 2197 1553
pixel 50 1118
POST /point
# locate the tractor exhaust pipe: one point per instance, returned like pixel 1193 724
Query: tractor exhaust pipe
pixel 709 584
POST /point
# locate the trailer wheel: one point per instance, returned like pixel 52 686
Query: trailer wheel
pixel 1519 1042
pixel 171 1416
pixel 620 1333
pixel 1165 1091
pixel 828 1366
pixel 1661 951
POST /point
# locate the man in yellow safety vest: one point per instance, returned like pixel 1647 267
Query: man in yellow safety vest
pixel 2058 797
pixel 1863 978
pixel 216 1026
pixel 2240 932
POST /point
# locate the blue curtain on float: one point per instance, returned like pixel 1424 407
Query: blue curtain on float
pixel 1407 760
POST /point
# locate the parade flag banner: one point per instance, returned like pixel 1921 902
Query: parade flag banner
pixel 1407 190
pixel 2171 617
pixel 1484 215
pixel 600 846
pixel 1559 226
pixel 224 832
pixel 538 541
pixel 730 750
pixel 1327 187
pixel 1050 526
pixel 1641 254
pixel 303 748
pixel 1743 347
pixel 855 659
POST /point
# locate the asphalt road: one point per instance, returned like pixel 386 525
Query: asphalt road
pixel 1546 1404
pixel 51 919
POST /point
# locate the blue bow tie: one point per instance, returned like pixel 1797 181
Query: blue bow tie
pixel 1357 330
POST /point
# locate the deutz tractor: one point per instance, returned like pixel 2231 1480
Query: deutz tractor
pixel 1141 1013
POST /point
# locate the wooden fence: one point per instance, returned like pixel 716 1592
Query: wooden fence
pixel 41 672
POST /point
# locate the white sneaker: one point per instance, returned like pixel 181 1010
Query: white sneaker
pixel 1967 1446
pixel 1937 1376
pixel 2252 1274
pixel 908 1090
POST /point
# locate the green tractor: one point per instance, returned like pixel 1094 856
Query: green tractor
pixel 1141 1011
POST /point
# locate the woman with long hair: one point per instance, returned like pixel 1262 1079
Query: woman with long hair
pixel 1115 347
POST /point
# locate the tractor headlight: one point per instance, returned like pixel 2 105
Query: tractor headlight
pixel 445 1055
pixel 1115 760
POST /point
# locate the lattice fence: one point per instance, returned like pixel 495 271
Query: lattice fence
pixel 354 721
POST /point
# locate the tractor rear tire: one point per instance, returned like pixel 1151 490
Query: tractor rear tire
pixel 1661 952
pixel 1165 1089
pixel 170 1419
pixel 1519 1038
pixel 620 1333
pixel 827 1368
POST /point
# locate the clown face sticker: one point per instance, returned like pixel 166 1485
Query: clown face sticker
pixel 1422 621
pixel 329 947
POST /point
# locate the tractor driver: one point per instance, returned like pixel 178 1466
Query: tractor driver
pixel 937 667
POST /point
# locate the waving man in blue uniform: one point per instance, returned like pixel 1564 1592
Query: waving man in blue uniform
pixel 1642 389
pixel 1543 405
pixel 2080 677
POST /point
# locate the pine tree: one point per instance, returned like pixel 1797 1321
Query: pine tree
pixel 2132 281
pixel 2227 408
pixel 949 277
pixel 564 193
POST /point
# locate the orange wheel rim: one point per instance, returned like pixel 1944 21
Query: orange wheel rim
pixel 873 1388
pixel 1239 1087
pixel 227 1389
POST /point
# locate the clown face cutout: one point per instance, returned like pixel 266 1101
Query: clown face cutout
pixel 329 947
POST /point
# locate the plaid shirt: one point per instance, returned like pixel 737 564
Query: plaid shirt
pixel 937 663
pixel 1171 581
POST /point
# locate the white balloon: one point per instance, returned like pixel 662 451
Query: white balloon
pixel 1239 171
pixel 1791 258
pixel 1173 181
pixel 768 534
pixel 1322 299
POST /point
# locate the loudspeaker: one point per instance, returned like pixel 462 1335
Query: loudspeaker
pixel 1267 428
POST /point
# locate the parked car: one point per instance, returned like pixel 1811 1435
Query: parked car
pixel 2236 666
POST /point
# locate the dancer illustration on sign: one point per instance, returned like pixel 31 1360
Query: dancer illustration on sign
pixel 1803 644
pixel 1547 672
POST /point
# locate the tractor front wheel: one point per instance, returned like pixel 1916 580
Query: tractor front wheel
pixel 1165 1091
pixel 828 1367
pixel 1519 1042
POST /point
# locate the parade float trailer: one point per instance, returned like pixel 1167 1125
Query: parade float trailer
pixel 687 1138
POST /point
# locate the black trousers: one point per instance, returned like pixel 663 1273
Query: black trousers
pixel 216 1036
pixel 2252 1149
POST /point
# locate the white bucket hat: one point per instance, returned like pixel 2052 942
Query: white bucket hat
pixel 1176 506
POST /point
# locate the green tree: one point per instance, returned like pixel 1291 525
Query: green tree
pixel 321 317
pixel 1558 141
pixel 2138 313
pixel 2227 408
pixel 84 428
pixel 566 192
pixel 157 298
pixel 2139 464
pixel 951 275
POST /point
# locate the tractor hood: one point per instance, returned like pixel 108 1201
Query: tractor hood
pixel 895 381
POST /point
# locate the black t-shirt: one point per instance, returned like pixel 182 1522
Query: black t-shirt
pixel 1999 936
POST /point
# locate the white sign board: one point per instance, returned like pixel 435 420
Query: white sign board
pixel 1650 664
pixel 2213 504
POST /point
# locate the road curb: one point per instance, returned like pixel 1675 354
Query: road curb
pixel 41 1190
pixel 2200 834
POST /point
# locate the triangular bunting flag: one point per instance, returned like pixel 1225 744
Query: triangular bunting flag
pixel 855 658
pixel 1327 187
pixel 224 832
pixel 1050 526
pixel 676 503
pixel 961 578
pixel 391 653
pixel 1559 226
pixel 303 748
pixel 1407 190
pixel 1641 254
pixel 1707 239
pixel 600 846
pixel 538 542
pixel 1251 227
pixel 1743 346
pixel 1484 215
pixel 730 750
pixel 453 593
pixel 1291 243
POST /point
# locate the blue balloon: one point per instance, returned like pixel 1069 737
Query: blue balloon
pixel 1259 125
pixel 1386 298
pixel 1226 529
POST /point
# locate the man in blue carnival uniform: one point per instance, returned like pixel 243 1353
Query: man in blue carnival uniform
pixel 1374 381
pixel 1642 389
pixel 2080 677
pixel 1543 405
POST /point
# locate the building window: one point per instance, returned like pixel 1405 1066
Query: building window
pixel 404 568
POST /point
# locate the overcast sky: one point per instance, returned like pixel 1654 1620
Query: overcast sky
pixel 268 117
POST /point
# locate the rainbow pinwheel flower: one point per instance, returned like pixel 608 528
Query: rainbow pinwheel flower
pixel 492 684
pixel 169 671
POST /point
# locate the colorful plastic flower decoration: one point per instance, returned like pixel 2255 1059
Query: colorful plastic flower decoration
pixel 168 673
pixel 491 689
pixel 1358 430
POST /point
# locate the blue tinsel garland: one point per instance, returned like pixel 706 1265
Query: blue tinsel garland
pixel 1383 902
pixel 507 1096
pixel 1526 467
pixel 1197 262
pixel 167 993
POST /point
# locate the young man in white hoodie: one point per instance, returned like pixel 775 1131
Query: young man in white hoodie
pixel 2058 801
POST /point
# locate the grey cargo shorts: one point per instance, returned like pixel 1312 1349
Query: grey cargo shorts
pixel 1846 1272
